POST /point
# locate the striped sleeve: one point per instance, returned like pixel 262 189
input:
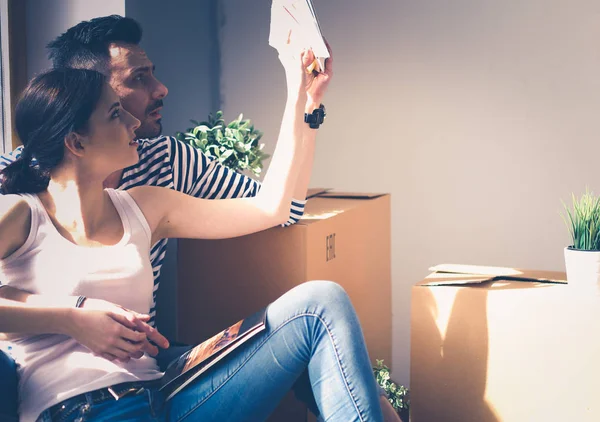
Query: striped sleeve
pixel 196 174
pixel 296 212
pixel 9 158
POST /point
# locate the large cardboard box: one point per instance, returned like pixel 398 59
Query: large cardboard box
pixel 343 237
pixel 518 347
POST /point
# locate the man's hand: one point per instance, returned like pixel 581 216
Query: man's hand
pixel 114 332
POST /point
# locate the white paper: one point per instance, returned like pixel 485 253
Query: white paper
pixel 299 18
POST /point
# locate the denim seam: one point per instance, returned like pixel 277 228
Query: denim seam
pixel 262 344
pixel 350 388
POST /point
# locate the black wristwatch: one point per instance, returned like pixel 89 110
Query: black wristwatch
pixel 316 118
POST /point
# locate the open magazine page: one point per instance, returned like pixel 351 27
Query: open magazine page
pixel 192 364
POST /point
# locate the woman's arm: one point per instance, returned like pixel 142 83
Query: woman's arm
pixel 99 325
pixel 172 214
pixel 316 86
pixel 96 330
pixel 21 318
pixel 106 329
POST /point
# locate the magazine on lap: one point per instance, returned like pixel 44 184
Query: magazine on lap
pixel 199 359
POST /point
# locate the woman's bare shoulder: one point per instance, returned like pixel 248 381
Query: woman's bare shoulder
pixel 15 222
pixel 13 204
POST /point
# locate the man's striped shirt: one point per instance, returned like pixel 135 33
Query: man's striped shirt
pixel 169 163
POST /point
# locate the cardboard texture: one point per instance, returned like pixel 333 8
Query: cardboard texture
pixel 342 237
pixel 504 350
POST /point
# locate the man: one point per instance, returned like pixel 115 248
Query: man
pixel 110 45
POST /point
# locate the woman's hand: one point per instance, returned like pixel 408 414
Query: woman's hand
pixel 296 61
pixel 317 83
pixel 114 332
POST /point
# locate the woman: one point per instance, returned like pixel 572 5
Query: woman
pixel 58 219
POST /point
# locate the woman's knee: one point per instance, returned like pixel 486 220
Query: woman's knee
pixel 326 290
pixel 324 294
pixel 320 297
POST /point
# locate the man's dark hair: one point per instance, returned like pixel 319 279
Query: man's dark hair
pixel 85 45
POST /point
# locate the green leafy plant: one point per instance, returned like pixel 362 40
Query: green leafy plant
pixel 398 395
pixel 583 222
pixel 235 145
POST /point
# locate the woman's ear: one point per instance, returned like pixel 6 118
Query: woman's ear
pixel 74 143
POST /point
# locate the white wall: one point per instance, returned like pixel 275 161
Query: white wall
pixel 47 19
pixel 478 116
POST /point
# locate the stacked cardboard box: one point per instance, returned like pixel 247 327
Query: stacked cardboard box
pixel 343 237
pixel 491 345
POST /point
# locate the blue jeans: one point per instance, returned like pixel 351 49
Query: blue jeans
pixel 312 329
pixel 8 389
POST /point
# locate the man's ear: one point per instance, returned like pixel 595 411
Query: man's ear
pixel 75 143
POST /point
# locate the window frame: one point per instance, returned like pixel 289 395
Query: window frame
pixel 5 100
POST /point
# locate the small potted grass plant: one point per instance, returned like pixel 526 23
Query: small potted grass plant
pixel 582 257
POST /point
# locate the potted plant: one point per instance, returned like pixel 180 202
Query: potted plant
pixel 582 257
pixel 398 395
pixel 235 145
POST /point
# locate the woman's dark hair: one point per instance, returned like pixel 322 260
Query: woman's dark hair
pixel 53 105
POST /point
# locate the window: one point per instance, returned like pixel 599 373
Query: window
pixel 5 112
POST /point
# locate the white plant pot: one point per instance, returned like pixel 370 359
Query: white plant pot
pixel 583 268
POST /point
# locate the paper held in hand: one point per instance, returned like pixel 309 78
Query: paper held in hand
pixel 299 17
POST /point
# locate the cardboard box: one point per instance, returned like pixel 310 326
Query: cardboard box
pixel 520 346
pixel 343 237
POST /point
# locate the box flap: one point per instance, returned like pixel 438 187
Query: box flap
pixel 324 204
pixel 318 208
pixel 457 274
pixel 350 195
pixel 473 269
pixel 312 192
pixel 448 279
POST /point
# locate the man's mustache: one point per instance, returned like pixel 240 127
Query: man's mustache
pixel 154 106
